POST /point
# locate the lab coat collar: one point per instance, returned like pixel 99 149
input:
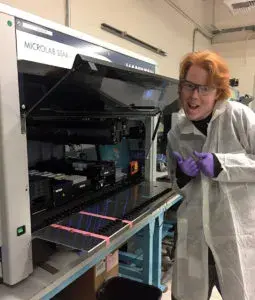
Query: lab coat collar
pixel 187 127
pixel 219 109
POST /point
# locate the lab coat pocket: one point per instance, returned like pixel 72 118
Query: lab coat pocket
pixel 182 234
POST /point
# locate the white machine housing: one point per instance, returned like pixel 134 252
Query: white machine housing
pixel 16 252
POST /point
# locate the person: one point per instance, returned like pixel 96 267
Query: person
pixel 211 161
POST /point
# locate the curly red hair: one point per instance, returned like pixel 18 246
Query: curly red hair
pixel 215 66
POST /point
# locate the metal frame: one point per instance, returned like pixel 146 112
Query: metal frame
pixel 150 149
pixel 147 267
pixel 14 194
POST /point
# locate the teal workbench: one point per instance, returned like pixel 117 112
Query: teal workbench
pixel 69 265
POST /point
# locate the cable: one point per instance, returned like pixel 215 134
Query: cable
pixel 64 77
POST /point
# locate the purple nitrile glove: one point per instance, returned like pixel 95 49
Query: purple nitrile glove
pixel 205 163
pixel 188 166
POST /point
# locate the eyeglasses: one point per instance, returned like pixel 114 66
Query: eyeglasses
pixel 203 90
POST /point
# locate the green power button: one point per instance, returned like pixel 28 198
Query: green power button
pixel 21 230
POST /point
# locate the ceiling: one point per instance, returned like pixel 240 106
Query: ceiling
pixel 214 15
pixel 225 19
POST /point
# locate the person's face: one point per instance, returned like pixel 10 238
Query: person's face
pixel 197 98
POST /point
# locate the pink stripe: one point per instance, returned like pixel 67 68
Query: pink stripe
pixel 73 230
pixel 130 223
pixel 98 216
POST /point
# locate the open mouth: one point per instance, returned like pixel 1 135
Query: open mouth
pixel 193 106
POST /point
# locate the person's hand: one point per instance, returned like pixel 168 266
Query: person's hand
pixel 205 163
pixel 188 166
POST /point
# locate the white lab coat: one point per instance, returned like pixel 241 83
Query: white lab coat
pixel 220 212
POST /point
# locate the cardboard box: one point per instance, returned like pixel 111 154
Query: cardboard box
pixel 86 286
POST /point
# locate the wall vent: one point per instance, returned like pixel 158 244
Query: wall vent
pixel 240 6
